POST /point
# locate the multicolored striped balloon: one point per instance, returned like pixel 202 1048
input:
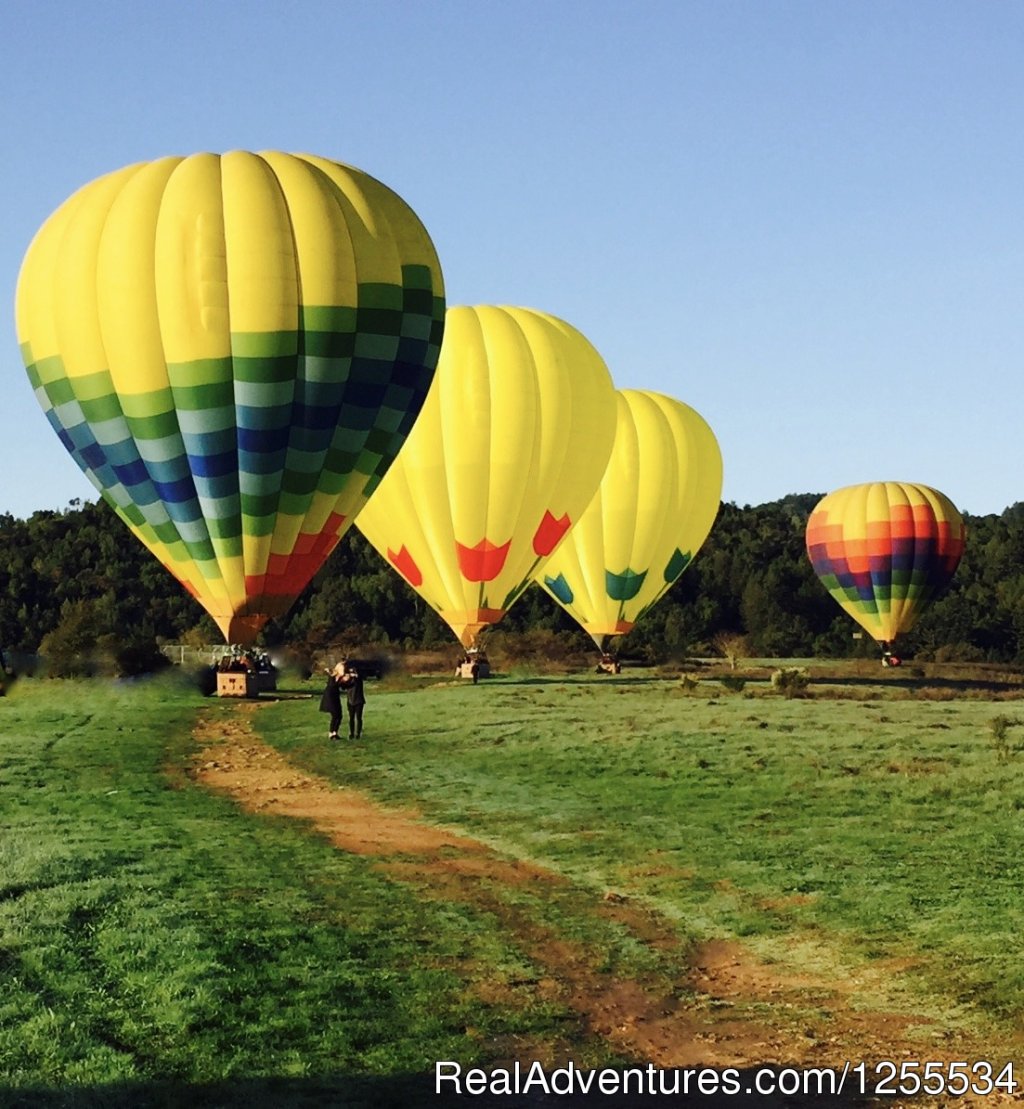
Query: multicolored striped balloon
pixel 507 452
pixel 233 348
pixel 655 506
pixel 884 550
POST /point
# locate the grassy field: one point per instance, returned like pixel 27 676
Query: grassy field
pixel 160 945
pixel 895 824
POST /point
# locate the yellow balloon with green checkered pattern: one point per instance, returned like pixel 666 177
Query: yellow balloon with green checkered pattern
pixel 233 348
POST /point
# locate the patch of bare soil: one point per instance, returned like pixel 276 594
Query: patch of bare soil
pixel 725 1008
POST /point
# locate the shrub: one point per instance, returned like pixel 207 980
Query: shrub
pixel 131 656
pixel 958 652
pixel 733 682
pixel 1000 727
pixel 538 648
pixel 83 645
pixel 791 681
pixel 70 649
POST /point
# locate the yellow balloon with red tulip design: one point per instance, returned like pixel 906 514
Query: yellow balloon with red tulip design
pixel 506 454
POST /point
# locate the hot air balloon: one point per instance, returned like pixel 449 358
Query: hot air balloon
pixel 655 506
pixel 508 450
pixel 883 550
pixel 233 348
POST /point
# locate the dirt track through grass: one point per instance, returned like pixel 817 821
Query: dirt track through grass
pixel 713 1005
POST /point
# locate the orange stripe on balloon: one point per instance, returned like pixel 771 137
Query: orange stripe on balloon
pixel 924 521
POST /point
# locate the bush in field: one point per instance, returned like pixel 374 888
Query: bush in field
pixel 129 656
pixel 539 648
pixel 733 683
pixel 1000 727
pixel 791 681
pixel 70 649
pixel 84 643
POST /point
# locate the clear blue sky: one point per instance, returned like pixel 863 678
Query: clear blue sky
pixel 802 217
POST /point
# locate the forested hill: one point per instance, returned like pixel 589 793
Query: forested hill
pixel 80 573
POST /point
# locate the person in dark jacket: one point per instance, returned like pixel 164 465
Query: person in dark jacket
pixel 352 683
pixel 330 702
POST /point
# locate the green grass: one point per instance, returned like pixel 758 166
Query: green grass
pixel 160 946
pixel 894 827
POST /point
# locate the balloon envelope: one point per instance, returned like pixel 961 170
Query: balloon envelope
pixel 505 455
pixel 883 550
pixel 657 501
pixel 233 348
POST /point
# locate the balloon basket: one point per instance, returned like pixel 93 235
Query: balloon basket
pixel 237 684
pixel 473 665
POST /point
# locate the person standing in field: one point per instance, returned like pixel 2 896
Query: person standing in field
pixel 330 702
pixel 352 683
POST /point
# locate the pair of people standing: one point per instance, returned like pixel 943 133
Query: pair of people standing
pixel 347 680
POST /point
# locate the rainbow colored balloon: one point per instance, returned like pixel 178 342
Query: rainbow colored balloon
pixel 233 348
pixel 508 450
pixel 655 506
pixel 884 550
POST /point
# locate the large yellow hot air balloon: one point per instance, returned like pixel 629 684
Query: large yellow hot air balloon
pixel 505 455
pixel 655 507
pixel 883 550
pixel 233 348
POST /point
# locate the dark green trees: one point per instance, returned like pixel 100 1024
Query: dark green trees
pixel 80 571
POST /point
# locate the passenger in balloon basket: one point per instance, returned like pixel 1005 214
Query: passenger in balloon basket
pixel 330 702
pixel 888 658
pixel 352 683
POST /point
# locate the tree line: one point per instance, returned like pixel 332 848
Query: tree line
pixel 76 580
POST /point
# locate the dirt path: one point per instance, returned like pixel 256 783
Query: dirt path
pixel 724 1009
